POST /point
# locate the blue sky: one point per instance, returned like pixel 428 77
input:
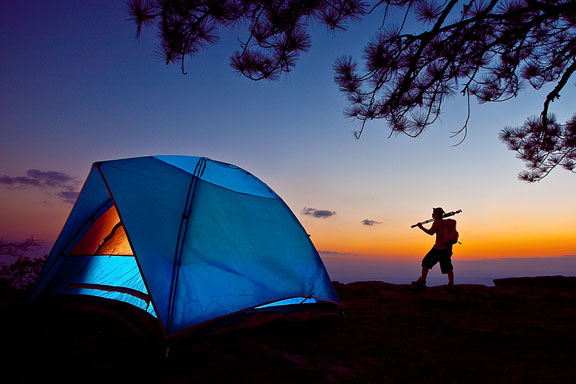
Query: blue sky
pixel 77 87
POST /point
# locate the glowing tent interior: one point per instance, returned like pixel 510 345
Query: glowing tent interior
pixel 186 239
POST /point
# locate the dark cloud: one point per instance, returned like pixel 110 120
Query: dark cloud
pixel 66 186
pixel 369 222
pixel 333 253
pixel 68 196
pixel 52 178
pixel 20 181
pixel 318 213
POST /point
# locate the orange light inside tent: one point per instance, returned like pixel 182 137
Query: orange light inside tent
pixel 116 243
pixel 106 236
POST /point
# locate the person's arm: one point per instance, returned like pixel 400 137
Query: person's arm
pixel 433 229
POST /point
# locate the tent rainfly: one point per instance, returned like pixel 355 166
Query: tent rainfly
pixel 186 239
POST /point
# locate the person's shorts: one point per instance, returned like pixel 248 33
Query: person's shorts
pixel 442 256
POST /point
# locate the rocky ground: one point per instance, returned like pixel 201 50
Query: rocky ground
pixel 519 331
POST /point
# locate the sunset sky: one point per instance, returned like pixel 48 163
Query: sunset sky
pixel 77 87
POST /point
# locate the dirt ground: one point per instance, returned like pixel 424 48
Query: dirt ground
pixel 520 331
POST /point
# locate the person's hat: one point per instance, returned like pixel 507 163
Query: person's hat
pixel 439 209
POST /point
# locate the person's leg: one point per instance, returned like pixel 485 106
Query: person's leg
pixel 421 282
pixel 446 267
pixel 424 273
pixel 428 262
pixel 450 277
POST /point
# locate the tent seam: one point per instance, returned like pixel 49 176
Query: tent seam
pixel 198 171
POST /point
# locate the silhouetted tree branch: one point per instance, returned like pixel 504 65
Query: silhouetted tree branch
pixel 21 274
pixel 543 148
pixel 487 49
pixel 277 28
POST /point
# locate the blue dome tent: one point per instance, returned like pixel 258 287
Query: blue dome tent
pixel 186 239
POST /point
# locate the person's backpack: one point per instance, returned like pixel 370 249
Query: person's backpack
pixel 450 234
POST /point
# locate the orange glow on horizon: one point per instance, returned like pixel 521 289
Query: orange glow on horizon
pixel 376 243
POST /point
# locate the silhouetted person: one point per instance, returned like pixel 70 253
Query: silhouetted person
pixel 441 252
